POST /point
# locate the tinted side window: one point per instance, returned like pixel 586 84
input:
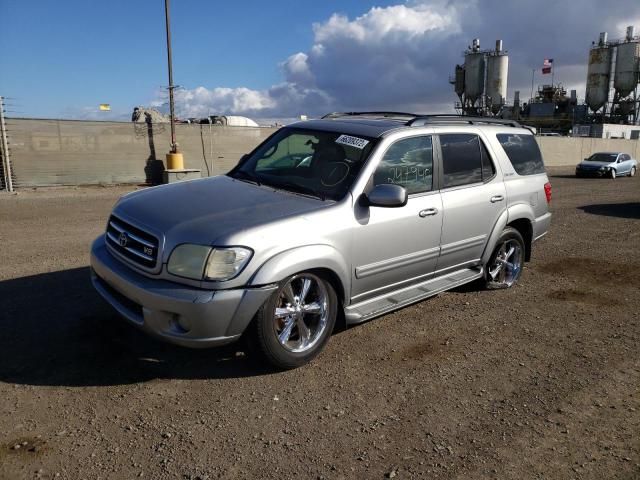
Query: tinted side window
pixel 461 159
pixel 408 162
pixel 523 152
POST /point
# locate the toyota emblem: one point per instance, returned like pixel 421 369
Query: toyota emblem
pixel 123 239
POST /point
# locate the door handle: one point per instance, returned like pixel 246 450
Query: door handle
pixel 497 198
pixel 427 212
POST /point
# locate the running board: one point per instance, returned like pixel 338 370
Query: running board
pixel 363 311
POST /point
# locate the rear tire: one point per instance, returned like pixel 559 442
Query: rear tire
pixel 632 172
pixel 507 260
pixel 295 323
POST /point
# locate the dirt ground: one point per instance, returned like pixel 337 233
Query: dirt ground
pixel 541 381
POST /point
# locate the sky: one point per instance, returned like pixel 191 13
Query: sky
pixel 282 58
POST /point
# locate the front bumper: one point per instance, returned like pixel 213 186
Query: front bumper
pixel 179 314
pixel 583 172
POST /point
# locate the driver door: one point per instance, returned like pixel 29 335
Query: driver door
pixel 624 161
pixel 396 247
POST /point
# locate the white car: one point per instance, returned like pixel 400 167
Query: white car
pixel 607 164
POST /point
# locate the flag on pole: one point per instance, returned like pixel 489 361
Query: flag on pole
pixel 105 107
pixel 547 66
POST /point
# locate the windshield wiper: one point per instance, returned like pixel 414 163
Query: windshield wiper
pixel 246 176
pixel 301 189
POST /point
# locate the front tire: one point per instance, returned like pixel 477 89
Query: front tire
pixel 294 325
pixel 505 264
pixel 612 174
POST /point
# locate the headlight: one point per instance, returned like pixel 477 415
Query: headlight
pixel 226 263
pixel 602 168
pixel 188 261
pixel 200 262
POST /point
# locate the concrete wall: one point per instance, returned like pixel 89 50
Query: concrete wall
pixel 67 152
pixel 562 151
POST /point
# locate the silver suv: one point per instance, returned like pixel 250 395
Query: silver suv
pixel 347 217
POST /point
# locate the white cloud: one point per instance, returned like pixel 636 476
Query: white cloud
pixel 201 101
pixel 296 69
pixel 400 57
pixel 379 25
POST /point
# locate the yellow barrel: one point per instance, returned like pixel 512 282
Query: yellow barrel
pixel 175 161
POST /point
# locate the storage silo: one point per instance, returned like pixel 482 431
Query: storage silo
pixel 627 65
pixel 598 74
pixel 497 72
pixel 474 73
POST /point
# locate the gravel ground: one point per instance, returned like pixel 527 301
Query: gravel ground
pixel 539 381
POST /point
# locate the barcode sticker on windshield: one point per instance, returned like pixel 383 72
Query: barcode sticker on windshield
pixel 352 141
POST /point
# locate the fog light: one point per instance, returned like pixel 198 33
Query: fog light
pixel 181 323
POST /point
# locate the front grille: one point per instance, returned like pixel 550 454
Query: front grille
pixel 136 245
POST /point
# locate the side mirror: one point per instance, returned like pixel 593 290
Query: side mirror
pixel 388 195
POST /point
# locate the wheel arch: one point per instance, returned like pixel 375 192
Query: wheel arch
pixel 525 227
pixel 519 216
pixel 322 259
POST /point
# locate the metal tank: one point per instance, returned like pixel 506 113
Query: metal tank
pixel 627 65
pixel 474 65
pixel 598 74
pixel 458 83
pixel 497 71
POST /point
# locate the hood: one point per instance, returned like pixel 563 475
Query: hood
pixel 208 210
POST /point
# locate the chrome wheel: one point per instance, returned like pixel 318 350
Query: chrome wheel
pixel 612 173
pixel 302 312
pixel 632 172
pixel 507 264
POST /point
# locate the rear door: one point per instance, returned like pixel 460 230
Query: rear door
pixel 473 198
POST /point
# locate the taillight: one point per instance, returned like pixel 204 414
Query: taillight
pixel 547 191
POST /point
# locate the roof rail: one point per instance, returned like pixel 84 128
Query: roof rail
pixel 370 114
pixel 421 120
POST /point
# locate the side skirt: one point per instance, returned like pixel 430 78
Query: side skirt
pixel 363 311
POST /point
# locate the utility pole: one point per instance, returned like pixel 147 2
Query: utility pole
pixel 175 160
pixel 171 87
pixel 6 162
pixel 533 72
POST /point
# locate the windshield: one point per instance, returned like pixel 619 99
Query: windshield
pixel 308 162
pixel 603 157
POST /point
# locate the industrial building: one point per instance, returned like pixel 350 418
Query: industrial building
pixel 611 108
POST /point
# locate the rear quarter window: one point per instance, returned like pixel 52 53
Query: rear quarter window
pixel 523 152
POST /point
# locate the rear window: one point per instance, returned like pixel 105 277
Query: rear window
pixel 523 152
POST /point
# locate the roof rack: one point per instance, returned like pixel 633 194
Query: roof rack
pixel 420 120
pixel 370 114
pixel 417 120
